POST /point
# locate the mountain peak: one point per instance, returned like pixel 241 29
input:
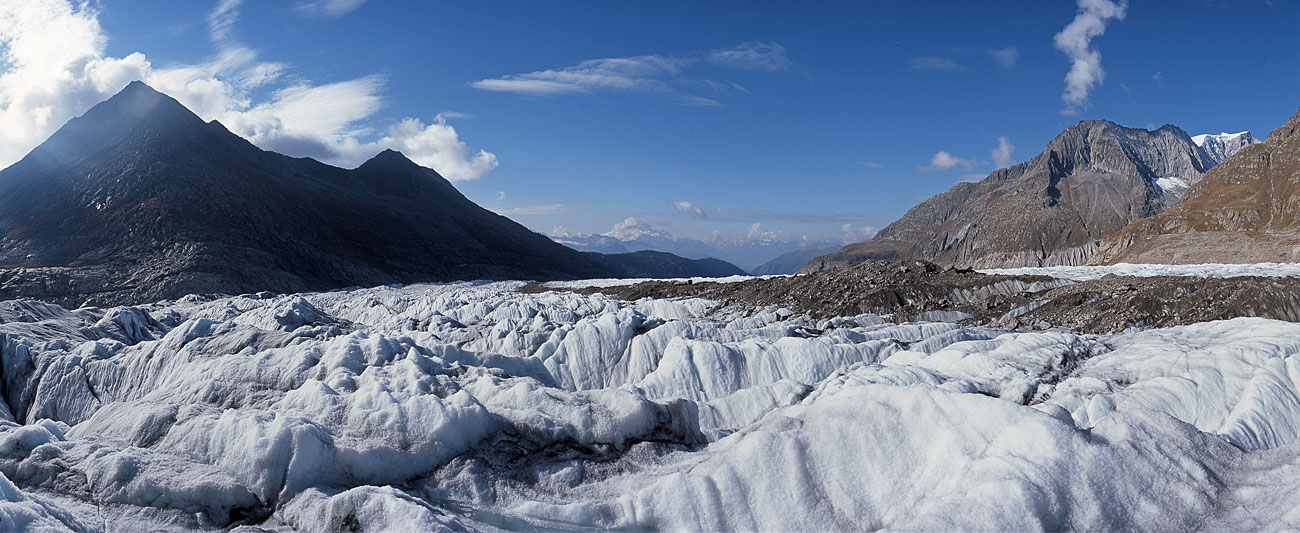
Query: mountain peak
pixel 112 120
pixel 390 158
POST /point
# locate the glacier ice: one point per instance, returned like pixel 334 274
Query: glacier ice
pixel 469 406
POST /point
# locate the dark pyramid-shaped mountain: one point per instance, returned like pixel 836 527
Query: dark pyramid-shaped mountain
pixel 1055 209
pixel 139 200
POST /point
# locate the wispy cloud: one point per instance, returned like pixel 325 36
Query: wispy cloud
pixel 1006 58
pixel 1002 153
pixel 328 8
pixel 57 68
pixel 934 64
pixel 766 57
pixel 1085 62
pixel 1159 79
pixel 548 209
pixel 647 74
pixel 971 178
pixel 869 164
pixel 501 196
pixel 945 161
pixel 687 208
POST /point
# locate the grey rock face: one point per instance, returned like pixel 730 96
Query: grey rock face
pixel 1088 183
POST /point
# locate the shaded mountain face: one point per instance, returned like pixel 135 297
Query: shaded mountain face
pixel 140 200
pixel 1089 182
pixel 1245 210
pixel 652 264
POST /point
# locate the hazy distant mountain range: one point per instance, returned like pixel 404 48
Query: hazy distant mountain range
pixel 140 200
pixel 752 253
pixel 1089 182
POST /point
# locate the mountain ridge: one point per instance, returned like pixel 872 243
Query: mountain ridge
pixel 1090 180
pixel 139 199
pixel 1244 210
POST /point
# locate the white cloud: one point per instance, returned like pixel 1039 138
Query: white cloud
pixel 934 64
pixel 869 164
pixel 1002 153
pixel 651 74
pixel 548 209
pixel 1076 40
pixel 945 161
pixel 57 69
pixel 851 233
pixel 328 8
pixel 501 196
pixel 756 233
pixel 687 208
pixel 766 57
pixel 631 228
pixel 971 178
pixel 1005 57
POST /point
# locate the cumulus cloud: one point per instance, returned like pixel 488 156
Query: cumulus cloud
pixel 945 161
pixel 647 74
pixel 1001 153
pixel 757 233
pixel 1005 57
pixel 851 233
pixel 328 8
pixel 631 228
pixel 548 209
pixel 687 208
pixel 934 64
pixel 56 69
pixel 1076 42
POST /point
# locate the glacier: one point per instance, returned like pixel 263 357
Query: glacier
pixel 472 406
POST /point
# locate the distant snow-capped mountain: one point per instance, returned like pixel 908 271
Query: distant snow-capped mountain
pixel 1223 145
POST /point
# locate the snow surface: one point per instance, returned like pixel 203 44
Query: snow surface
pixel 1085 273
pixel 1173 185
pixel 1223 137
pixel 470 406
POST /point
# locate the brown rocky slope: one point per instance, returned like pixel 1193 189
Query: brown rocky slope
pixel 1245 210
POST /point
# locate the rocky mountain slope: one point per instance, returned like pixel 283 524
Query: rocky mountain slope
pixel 1246 210
pixel 1223 145
pixel 140 199
pixel 1089 182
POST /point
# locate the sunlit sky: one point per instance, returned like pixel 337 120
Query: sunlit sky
pixel 820 120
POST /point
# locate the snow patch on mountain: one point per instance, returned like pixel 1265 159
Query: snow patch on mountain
pixel 1223 145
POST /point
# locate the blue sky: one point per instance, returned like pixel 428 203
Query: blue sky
pixel 802 119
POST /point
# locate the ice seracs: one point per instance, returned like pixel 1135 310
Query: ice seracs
pixel 473 406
